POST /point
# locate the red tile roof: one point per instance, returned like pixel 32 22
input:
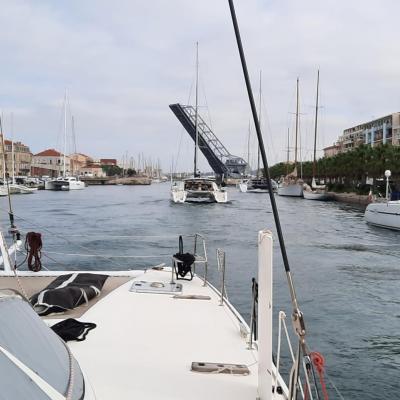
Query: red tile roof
pixel 108 161
pixel 49 153
pixel 6 141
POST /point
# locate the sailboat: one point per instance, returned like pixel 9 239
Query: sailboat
pixel 291 185
pixel 257 184
pixel 315 192
pixel 197 189
pixel 65 182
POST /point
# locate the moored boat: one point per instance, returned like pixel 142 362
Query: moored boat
pixel 64 183
pixel 316 192
pixel 384 214
pixel 291 185
pixel 197 190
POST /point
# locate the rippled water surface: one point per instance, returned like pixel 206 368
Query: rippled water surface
pixel 346 273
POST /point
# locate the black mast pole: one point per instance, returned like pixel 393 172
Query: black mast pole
pixel 297 315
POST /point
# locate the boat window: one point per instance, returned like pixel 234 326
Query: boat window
pixel 28 344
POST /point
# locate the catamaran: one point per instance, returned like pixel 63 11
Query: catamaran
pixel 197 189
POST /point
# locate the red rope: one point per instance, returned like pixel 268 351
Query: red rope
pixel 319 364
pixel 33 245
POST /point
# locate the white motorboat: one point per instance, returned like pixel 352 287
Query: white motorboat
pixel 4 190
pixel 384 214
pixel 64 183
pixel 22 189
pixel 199 190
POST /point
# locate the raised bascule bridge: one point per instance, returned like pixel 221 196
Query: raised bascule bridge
pixel 223 163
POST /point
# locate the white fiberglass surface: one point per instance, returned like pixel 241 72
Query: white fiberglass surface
pixel 26 337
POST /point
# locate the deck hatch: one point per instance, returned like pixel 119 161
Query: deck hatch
pixel 220 368
pixel 156 287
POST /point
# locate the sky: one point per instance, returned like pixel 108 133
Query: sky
pixel 123 63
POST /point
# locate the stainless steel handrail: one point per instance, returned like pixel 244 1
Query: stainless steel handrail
pixel 204 259
pixel 221 267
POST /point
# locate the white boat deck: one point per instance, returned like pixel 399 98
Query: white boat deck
pixel 144 345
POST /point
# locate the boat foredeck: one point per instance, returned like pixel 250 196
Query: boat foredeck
pixel 145 343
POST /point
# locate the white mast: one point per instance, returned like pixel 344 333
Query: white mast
pixel 65 132
pixel 12 149
pixel 196 111
pixel 259 121
pixel 297 123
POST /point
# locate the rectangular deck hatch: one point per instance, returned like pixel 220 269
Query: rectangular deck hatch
pixel 220 368
pixel 156 287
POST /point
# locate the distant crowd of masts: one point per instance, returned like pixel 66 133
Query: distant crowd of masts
pixel 141 164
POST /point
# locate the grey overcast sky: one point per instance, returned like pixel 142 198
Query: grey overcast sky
pixel 123 63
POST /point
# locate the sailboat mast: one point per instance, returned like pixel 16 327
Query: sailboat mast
pixel 196 111
pixel 287 158
pixel 12 149
pixel 248 146
pixel 297 122
pixel 259 122
pixel 65 131
pixel 315 130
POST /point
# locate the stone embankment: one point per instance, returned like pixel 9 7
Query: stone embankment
pixel 111 180
pixel 351 198
pixel 134 180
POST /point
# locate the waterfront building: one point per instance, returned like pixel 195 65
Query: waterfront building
pixel 108 161
pixel 92 170
pixel 331 151
pixel 22 158
pixel 378 131
pixel 50 162
pixel 78 162
pixel 383 130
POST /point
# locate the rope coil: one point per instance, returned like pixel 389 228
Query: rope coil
pixel 33 247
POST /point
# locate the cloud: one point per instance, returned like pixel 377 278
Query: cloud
pixel 124 62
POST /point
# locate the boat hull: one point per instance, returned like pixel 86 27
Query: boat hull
pixel 294 190
pixel 384 215
pixel 198 190
pixel 243 187
pixel 76 185
pixel 64 185
pixel 189 196
pixel 314 195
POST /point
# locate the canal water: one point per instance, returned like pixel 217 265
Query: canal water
pixel 346 273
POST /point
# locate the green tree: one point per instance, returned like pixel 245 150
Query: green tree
pixel 112 170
